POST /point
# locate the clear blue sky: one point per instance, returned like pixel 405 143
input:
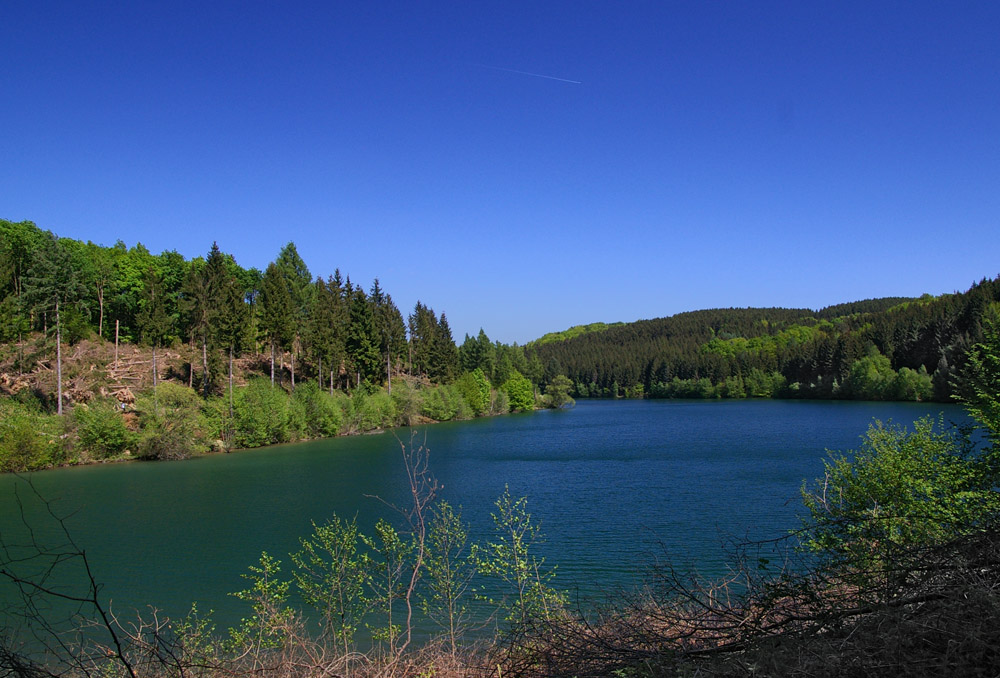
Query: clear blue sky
pixel 677 155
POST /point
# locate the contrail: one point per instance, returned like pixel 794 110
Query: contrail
pixel 534 75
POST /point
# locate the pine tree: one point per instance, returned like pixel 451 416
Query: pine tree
pixel 53 284
pixel 277 314
pixel 152 320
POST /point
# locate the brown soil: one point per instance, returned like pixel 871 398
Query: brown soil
pixel 91 370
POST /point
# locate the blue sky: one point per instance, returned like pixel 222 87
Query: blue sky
pixel 705 154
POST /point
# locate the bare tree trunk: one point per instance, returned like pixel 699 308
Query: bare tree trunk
pixel 116 344
pixel 156 401
pixel 230 382
pixel 388 372
pixel 204 364
pixel 58 361
pixel 100 321
pixel 272 363
pixel 292 363
pixel 320 373
pixel 331 382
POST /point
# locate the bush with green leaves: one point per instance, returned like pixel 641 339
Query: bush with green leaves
pixel 267 627
pixel 520 393
pixel 372 411
pixel 902 489
pixel 315 412
pixel 981 389
pixel 443 403
pixel 172 424
pixel 450 567
pixel 527 594
pixel 557 392
pixel 332 575
pixel 407 403
pixel 29 439
pixel 261 415
pixel 101 429
pixel 475 390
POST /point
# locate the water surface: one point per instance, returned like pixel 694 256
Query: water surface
pixel 614 485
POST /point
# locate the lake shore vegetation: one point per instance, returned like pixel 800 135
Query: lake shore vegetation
pixel 96 330
pixel 110 353
pixel 895 570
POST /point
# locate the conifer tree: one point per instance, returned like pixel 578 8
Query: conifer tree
pixel 277 319
pixel 53 284
pixel 152 319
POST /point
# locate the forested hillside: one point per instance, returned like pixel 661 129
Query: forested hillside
pixel 892 348
pixel 89 333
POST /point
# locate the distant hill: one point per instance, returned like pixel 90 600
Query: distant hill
pixel 574 331
pixel 738 352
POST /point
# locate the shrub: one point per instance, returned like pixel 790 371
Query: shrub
pixel 902 489
pixel 172 425
pixel 439 403
pixel 475 390
pixel 373 411
pixel 407 403
pixel 28 438
pixel 101 429
pixel 519 392
pixel 261 415
pixel 315 411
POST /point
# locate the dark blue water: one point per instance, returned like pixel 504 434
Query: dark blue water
pixel 614 485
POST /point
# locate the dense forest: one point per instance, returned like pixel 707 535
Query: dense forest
pixel 205 354
pixel 245 357
pixel 878 349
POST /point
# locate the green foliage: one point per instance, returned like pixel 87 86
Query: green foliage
pixel 261 415
pixel 372 411
pixel 406 403
pixel 510 559
pixel 101 429
pixel 267 594
pixel 871 377
pixel 572 332
pixel 519 392
pixel 475 390
pixel 172 425
pixel 900 490
pixel 912 385
pixel 29 439
pixel 332 576
pixel 981 393
pixel 450 566
pixel 390 560
pixel 317 411
pixel 811 349
pixel 444 403
pixel 557 392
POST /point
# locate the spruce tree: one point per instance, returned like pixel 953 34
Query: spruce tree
pixel 53 284
pixel 277 314
pixel 152 320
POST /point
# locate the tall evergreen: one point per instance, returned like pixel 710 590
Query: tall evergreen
pixel 362 338
pixel 444 354
pixel 277 312
pixel 53 284
pixel 299 282
pixel 232 324
pixel 152 319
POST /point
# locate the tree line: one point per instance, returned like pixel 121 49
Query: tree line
pixel 892 349
pixel 329 330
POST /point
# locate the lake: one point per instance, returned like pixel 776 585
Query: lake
pixel 615 485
